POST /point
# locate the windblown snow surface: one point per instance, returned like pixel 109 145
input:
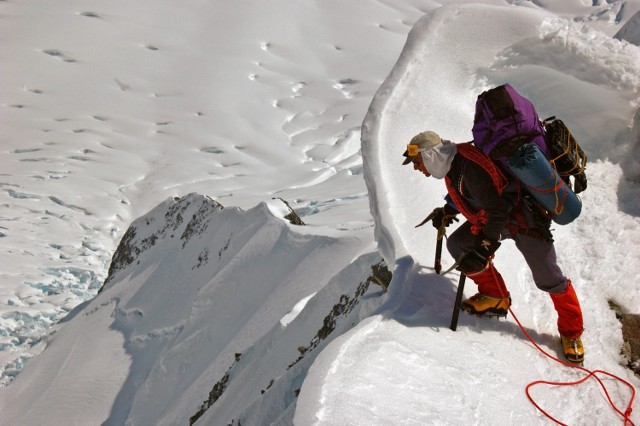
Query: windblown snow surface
pixel 173 130
pixel 420 372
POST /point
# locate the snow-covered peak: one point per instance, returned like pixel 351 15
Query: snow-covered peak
pixel 192 286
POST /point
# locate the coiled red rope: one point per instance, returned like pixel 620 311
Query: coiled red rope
pixel 626 414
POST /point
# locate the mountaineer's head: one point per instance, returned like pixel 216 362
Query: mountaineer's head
pixel 430 154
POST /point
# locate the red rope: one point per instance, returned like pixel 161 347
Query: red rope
pixel 590 373
pixel 500 182
pixel 558 183
pixel 626 415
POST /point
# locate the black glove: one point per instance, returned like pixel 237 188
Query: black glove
pixel 441 215
pixel 477 259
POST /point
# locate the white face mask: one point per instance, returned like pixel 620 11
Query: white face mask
pixel 438 160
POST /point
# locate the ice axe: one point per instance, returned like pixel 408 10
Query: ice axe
pixel 437 263
pixel 456 305
pixel 463 277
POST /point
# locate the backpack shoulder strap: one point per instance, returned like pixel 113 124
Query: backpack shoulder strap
pixel 479 219
pixel 472 153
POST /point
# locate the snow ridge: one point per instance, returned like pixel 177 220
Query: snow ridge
pixel 193 320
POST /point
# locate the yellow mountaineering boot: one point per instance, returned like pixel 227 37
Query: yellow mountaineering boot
pixel 573 349
pixel 482 305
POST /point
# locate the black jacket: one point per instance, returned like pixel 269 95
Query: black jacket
pixel 476 186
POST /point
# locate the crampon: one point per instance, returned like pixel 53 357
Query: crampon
pixel 487 306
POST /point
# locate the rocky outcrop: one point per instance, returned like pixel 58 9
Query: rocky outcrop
pixel 146 231
pixel 631 336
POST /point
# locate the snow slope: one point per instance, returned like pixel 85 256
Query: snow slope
pixel 422 372
pixel 195 290
pixel 112 110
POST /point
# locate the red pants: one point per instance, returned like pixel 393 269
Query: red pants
pixel 569 312
pixel 490 283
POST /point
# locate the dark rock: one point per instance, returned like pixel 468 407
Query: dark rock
pixel 631 336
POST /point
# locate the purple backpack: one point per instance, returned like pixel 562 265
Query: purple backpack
pixel 504 121
pixel 506 128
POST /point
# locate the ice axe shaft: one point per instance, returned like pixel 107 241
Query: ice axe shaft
pixel 437 263
pixel 456 306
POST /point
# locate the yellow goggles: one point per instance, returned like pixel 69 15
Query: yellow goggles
pixel 413 150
